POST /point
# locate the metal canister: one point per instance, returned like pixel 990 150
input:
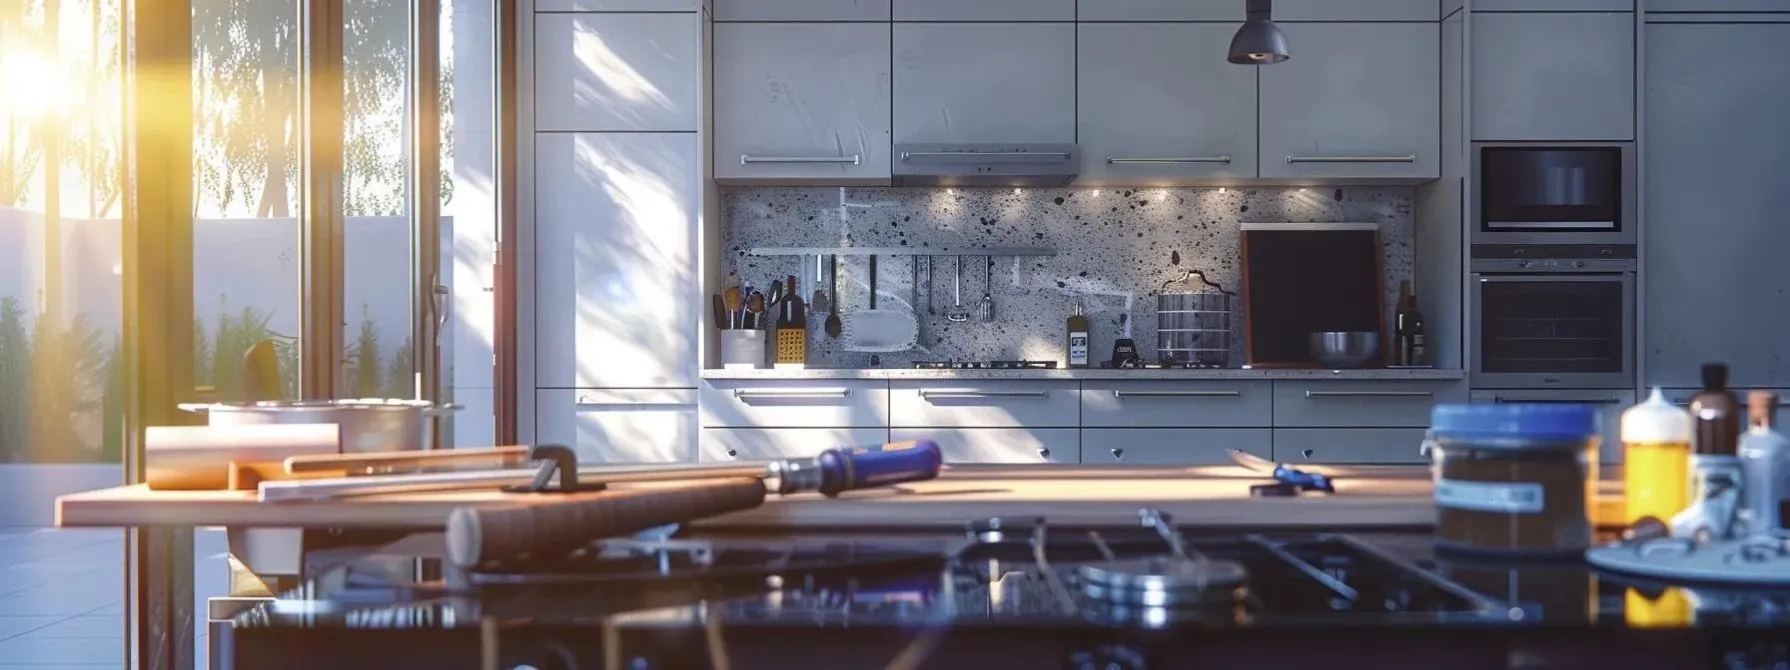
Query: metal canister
pixel 1193 324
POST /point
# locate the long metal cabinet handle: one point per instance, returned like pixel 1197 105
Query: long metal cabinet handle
pixel 1177 394
pixel 924 394
pixel 1368 394
pixel 748 394
pixel 853 159
pixel 1063 155
pixel 1167 161
pixel 1351 159
pixel 1607 400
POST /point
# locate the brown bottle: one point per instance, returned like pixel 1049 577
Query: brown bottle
pixel 1077 338
pixel 1408 328
pixel 1715 414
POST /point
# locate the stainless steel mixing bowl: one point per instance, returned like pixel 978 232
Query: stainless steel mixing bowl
pixel 1344 349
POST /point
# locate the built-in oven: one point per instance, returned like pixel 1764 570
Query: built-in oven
pixel 1554 193
pixel 1560 317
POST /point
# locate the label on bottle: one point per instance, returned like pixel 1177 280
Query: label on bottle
pixel 1506 497
pixel 1078 348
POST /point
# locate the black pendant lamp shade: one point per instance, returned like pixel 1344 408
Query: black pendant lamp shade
pixel 1259 41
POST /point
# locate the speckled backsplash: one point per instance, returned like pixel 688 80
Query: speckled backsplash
pixel 1115 248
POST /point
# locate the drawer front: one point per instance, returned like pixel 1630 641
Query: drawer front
pixel 1172 446
pixel 817 403
pixel 757 444
pixel 1351 446
pixel 999 445
pixel 619 425
pixel 1003 404
pixel 1174 404
pixel 1610 406
pixel 1364 404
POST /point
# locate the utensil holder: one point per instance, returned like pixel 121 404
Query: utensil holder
pixel 1194 327
pixel 745 349
pixel 792 347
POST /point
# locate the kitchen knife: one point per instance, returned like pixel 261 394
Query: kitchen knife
pixel 1309 481
pixel 830 473
pixel 553 526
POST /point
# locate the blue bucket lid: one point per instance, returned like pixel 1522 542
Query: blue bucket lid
pixel 1515 421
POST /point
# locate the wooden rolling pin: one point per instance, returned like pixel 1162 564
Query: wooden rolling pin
pixel 556 524
pixel 189 458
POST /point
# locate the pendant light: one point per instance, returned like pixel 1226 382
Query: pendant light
pixel 1259 41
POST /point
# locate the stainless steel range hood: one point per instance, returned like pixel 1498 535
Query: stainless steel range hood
pixel 1036 165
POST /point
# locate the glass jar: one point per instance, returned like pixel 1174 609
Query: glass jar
pixel 1514 479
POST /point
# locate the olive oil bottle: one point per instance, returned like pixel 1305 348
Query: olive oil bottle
pixel 1077 339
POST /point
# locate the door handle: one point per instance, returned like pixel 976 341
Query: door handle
pixel 1608 400
pixel 749 394
pixel 1368 394
pixel 1167 161
pixel 1351 159
pixel 943 395
pixel 1177 394
pixel 853 159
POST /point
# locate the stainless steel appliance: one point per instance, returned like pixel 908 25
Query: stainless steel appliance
pixel 1554 193
pixel 1552 316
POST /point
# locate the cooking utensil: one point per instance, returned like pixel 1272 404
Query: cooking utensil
pixel 818 304
pixel 755 307
pixel 929 276
pixel 197 458
pixel 1287 480
pixel 367 424
pixel 732 300
pixel 957 313
pixel 791 299
pixel 554 526
pixel 1193 325
pixel 880 330
pixel 985 309
pixel 722 320
pixel 1343 350
pixel 913 297
pixel 832 472
pixel 833 326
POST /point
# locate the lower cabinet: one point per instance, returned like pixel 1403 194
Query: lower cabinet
pixel 619 425
pixel 755 444
pixel 1349 446
pixel 1172 446
pixel 999 445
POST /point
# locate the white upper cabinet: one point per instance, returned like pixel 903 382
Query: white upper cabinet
pixel 1161 10
pixel 618 298
pixel 618 5
pixel 984 82
pixel 1553 76
pixel 801 10
pixel 984 10
pixel 1355 10
pixel 806 101
pixel 618 72
pixel 1356 100
pixel 1158 104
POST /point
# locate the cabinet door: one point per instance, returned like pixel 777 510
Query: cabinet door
pixel 1356 100
pixel 619 425
pixel 1354 10
pixel 788 403
pixel 618 5
pixel 1173 446
pixel 984 10
pixel 1553 76
pixel 993 83
pixel 1378 403
pixel 1161 10
pixel 1717 149
pixel 1158 104
pixel 984 404
pixel 626 72
pixel 1484 6
pixel 800 10
pixel 1609 404
pixel 1351 446
pixel 999 445
pixel 617 294
pixel 1176 404
pixel 1716 6
pixel 802 101
pixel 762 444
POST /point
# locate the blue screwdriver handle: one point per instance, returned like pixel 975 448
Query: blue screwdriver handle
pixel 853 468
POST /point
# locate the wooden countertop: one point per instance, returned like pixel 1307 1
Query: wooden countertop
pixel 1213 496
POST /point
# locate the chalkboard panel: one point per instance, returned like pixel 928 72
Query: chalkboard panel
pixel 1300 279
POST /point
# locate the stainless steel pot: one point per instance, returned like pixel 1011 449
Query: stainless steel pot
pixel 367 424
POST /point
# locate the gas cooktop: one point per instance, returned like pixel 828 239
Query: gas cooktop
pixel 1123 595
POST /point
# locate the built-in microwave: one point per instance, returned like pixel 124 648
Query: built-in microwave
pixel 1554 193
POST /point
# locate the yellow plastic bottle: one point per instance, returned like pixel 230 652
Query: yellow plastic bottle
pixel 1656 446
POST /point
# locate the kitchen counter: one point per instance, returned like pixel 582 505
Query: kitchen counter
pixel 1427 374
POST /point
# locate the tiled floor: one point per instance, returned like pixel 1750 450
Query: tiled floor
pixel 62 596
